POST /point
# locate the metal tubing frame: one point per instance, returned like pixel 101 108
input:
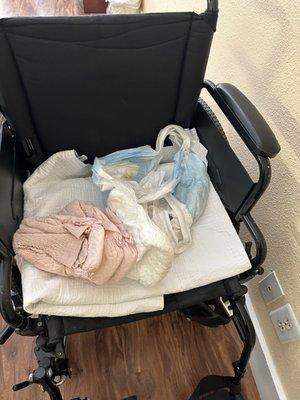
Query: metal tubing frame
pixel 49 387
pixel 245 328
pixel 215 383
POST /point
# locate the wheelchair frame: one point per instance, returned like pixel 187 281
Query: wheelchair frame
pixel 227 299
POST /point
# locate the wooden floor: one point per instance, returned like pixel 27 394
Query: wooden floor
pixel 158 359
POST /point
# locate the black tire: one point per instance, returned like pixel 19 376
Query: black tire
pixel 213 117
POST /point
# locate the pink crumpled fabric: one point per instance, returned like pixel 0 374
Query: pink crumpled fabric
pixel 82 240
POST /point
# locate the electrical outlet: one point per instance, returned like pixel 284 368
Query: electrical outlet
pixel 286 324
pixel 270 288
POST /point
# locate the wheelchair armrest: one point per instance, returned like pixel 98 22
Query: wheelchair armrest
pixel 237 190
pixel 245 118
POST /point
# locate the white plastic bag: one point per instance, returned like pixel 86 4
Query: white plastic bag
pixel 155 193
pixel 155 251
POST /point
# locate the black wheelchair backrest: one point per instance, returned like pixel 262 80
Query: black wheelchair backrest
pixel 101 83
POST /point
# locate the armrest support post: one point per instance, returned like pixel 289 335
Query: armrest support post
pixel 260 245
pixel 258 189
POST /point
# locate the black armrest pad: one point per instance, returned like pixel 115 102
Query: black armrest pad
pixel 248 121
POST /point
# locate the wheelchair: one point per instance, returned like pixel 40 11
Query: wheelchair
pixel 124 77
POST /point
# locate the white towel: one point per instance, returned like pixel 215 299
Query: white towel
pixel 216 253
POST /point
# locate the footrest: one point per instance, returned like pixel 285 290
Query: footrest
pixel 223 395
pixel 131 398
pixel 79 398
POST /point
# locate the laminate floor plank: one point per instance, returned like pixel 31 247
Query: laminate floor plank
pixel 161 358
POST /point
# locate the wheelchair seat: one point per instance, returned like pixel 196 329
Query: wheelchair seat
pixel 98 84
pixel 216 252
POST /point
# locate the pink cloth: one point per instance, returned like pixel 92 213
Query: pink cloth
pixel 81 240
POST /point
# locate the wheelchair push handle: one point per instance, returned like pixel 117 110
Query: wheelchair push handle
pixel 212 5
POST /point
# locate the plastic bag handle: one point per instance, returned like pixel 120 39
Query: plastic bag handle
pixel 175 132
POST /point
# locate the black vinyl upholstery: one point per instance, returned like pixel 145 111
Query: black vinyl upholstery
pixel 102 83
pixel 254 129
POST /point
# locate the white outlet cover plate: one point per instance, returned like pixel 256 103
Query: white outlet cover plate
pixel 286 324
pixel 270 288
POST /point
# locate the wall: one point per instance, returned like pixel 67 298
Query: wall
pixel 257 49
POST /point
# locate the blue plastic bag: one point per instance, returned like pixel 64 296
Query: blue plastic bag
pixel 188 181
pixel 130 164
pixel 190 168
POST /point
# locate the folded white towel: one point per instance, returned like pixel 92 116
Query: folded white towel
pixel 216 253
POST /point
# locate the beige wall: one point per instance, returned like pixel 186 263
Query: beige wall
pixel 257 49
